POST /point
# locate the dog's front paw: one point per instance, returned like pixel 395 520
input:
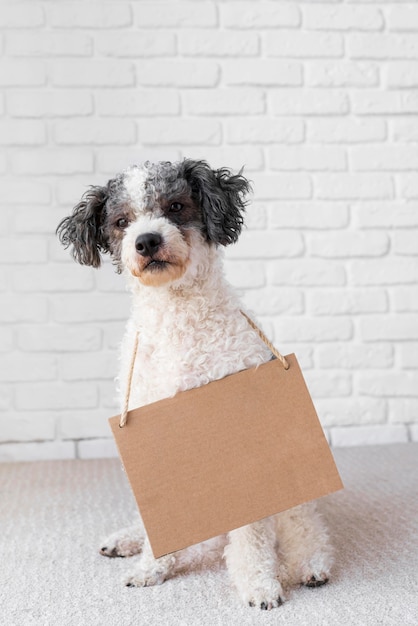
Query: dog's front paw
pixel 316 580
pixel 146 578
pixel 267 597
pixel 125 542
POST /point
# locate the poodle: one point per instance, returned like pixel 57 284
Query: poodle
pixel 165 225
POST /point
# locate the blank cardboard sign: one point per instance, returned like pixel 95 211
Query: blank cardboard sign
pixel 221 456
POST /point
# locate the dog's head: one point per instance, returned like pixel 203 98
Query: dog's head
pixel 149 218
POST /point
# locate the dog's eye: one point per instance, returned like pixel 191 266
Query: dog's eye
pixel 176 207
pixel 122 223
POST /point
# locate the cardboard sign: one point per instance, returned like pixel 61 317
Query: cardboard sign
pixel 221 456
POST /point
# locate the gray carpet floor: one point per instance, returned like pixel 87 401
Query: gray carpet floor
pixel 53 516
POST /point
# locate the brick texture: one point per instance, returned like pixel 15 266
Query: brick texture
pixel 319 102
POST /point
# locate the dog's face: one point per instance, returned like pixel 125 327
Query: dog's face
pixel 149 218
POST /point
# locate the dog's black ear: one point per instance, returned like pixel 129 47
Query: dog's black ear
pixel 83 230
pixel 221 196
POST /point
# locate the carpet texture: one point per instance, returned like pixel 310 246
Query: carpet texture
pixel 53 516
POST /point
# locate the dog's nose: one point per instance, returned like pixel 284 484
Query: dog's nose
pixel 148 243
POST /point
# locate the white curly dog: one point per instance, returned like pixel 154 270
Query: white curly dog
pixel 164 225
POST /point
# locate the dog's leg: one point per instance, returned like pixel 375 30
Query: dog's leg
pixel 151 571
pixel 253 565
pixel 304 543
pixel 125 542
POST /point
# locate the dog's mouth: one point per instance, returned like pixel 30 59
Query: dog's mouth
pixel 156 265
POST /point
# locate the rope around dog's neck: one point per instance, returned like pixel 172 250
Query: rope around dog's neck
pixel 124 414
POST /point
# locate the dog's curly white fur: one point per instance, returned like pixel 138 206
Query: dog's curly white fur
pixel 164 226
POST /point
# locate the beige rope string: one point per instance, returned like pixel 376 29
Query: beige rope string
pixel 268 343
pixel 124 414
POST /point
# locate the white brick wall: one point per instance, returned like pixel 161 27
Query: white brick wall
pixel 319 101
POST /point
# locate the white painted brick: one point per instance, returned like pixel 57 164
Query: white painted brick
pixel 245 275
pixel 27 427
pixel 95 73
pixel 39 451
pixel 310 215
pixel 238 101
pixel 261 71
pixel 90 366
pixel 43 220
pixel 97 131
pixel 6 397
pixel 58 279
pixel 413 429
pixel 94 15
pixel 120 103
pixel 347 301
pixel 60 339
pixel 402 327
pixel 304 353
pixel 303 44
pixel 307 272
pixel 403 74
pixel 402 18
pixel 350 186
pixel 385 215
pixel 368 435
pixel 7 339
pixel 22 132
pixel 53 162
pixel 89 306
pixel 18 308
pixel 107 279
pixel 45 44
pixel 177 132
pixel 404 299
pixel 378 102
pixel 30 368
pixel 177 73
pixel 56 395
pixel 112 335
pixel 307 329
pixel 80 425
pixel 175 15
pixel 355 356
pixel 275 301
pixel 13 192
pixel 270 244
pixel 387 271
pixel 219 43
pixel 341 74
pixel 255 15
pixel 308 158
pixel 409 355
pixel 125 44
pixel 343 17
pixel 15 73
pixel 21 15
pixel 346 411
pixel 405 242
pixel 97 449
pixel 387 157
pixel 348 131
pixel 403 411
pixel 348 244
pixel 328 385
pixel 404 130
pixel 23 250
pixel 263 130
pixel 308 102
pixel 48 103
pixel 388 384
pixel 251 158
pixel 381 46
pixel 109 399
pixel 282 186
pixel 409 186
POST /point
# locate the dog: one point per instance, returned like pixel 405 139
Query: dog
pixel 165 226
